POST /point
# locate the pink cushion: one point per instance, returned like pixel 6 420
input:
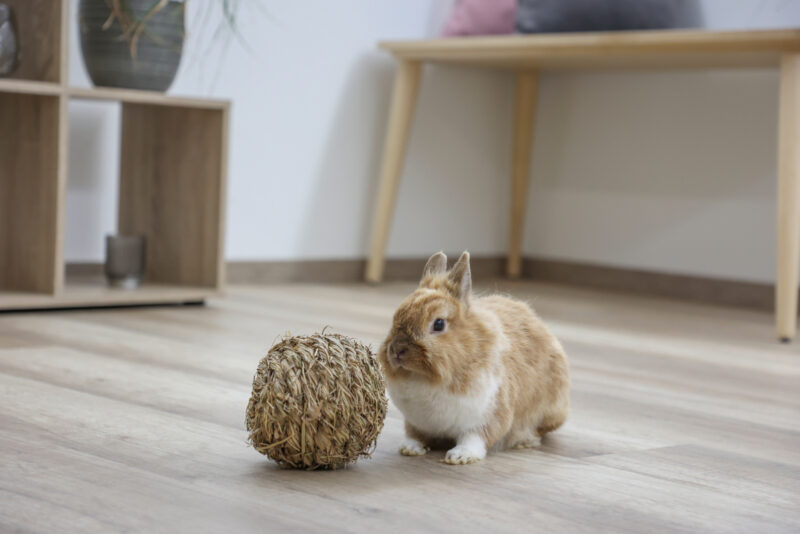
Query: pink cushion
pixel 481 17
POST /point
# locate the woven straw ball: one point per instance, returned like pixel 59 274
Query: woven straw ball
pixel 318 402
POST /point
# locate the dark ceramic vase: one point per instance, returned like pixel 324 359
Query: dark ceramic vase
pixel 8 41
pixel 107 54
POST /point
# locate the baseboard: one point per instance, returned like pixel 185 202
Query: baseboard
pixel 692 288
pixel 331 271
pixel 316 271
pixel 682 287
pixel 276 272
pixel 84 269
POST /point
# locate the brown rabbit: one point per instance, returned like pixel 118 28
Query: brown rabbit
pixel 477 372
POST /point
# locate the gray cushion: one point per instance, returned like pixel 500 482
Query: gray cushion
pixel 545 16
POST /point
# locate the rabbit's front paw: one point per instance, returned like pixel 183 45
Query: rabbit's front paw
pixel 459 455
pixel 468 451
pixel 412 447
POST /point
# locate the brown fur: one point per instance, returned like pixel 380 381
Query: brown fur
pixel 493 335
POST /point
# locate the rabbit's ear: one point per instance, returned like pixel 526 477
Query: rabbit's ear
pixel 461 278
pixel 437 264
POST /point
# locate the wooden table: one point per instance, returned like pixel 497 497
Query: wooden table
pixel 530 55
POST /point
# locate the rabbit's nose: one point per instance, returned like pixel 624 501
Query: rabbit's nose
pixel 399 351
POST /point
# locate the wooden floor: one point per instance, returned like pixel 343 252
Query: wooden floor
pixel 685 419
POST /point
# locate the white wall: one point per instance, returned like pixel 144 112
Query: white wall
pixel 308 120
pixel 668 171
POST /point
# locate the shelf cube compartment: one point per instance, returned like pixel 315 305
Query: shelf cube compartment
pixel 172 176
pixel 39 25
pixel 31 190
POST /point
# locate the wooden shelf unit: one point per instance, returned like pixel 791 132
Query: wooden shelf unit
pixel 172 179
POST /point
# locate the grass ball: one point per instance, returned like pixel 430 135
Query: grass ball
pixel 318 402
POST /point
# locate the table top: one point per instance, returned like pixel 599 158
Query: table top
pixel 627 49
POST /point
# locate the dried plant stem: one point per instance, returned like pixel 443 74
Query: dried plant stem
pixel 132 29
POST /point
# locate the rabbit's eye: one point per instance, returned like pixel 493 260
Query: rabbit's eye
pixel 438 325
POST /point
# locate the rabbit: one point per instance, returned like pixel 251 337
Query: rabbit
pixel 479 373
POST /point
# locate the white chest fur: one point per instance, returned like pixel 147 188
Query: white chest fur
pixel 440 413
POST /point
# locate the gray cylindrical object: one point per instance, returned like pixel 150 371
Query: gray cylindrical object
pixel 125 260
pixel 107 53
pixel 9 48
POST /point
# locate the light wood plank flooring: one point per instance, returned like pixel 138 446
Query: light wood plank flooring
pixel 685 418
